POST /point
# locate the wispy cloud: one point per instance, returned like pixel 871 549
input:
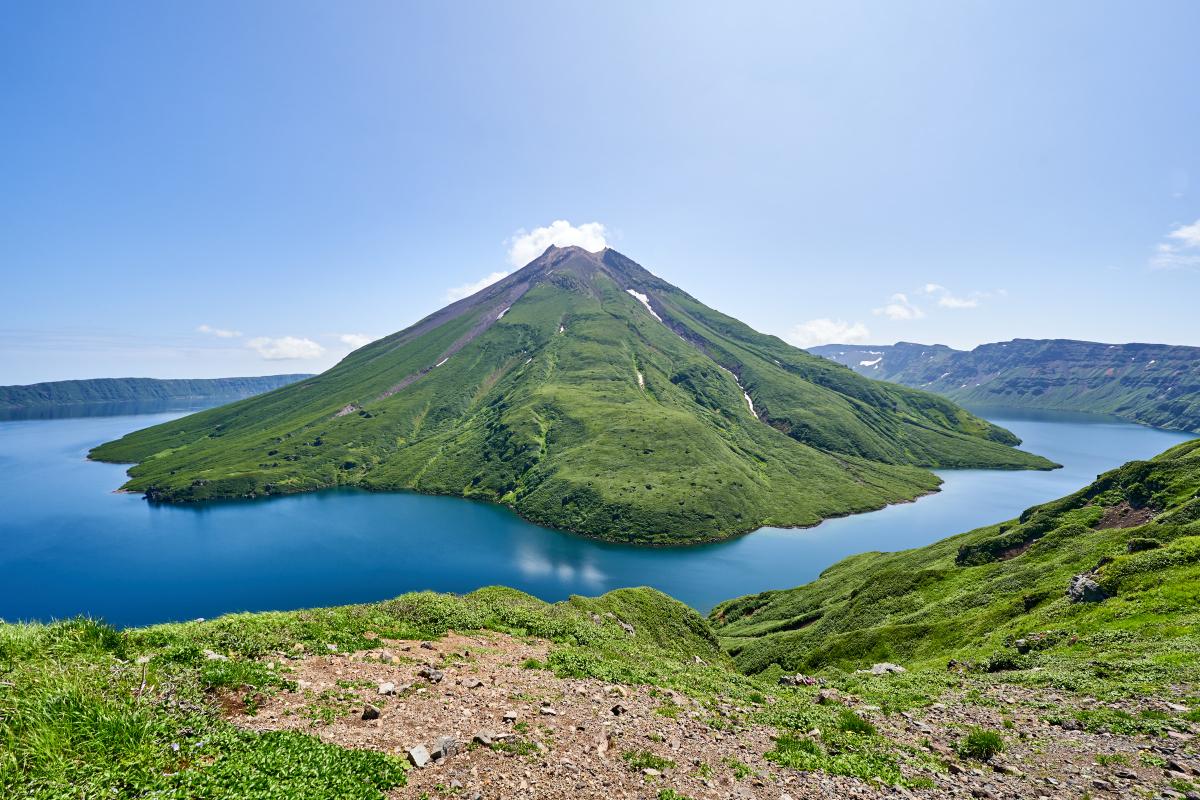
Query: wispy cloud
pixel 355 340
pixel 827 331
pixel 524 246
pixel 468 289
pixel 900 308
pixel 1181 251
pixel 285 347
pixel 220 333
pixel 947 299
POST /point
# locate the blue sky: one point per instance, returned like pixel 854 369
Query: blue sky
pixel 305 175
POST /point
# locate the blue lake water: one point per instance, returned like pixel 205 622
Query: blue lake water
pixel 70 545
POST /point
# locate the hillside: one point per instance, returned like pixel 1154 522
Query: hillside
pixel 1153 384
pixel 589 395
pixel 137 390
pixel 1127 546
pixel 496 694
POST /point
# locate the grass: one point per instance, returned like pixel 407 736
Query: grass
pixel 555 424
pixel 671 794
pixel 850 722
pixel 639 760
pixel 981 744
pixel 994 600
pixel 76 720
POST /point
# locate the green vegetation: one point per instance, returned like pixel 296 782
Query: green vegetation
pixel 639 760
pixel 671 794
pixel 560 394
pixel 850 722
pixel 137 390
pixel 853 754
pixel 1154 384
pixel 995 599
pixel 85 708
pixel 981 744
pixel 80 718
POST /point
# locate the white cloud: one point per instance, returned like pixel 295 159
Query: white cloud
pixel 1183 252
pixel 524 246
pixel 947 299
pixel 285 347
pixel 355 340
pixel 899 308
pixel 827 331
pixel 468 289
pixel 1188 235
pixel 220 333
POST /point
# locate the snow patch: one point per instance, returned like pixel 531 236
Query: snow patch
pixel 443 361
pixel 502 313
pixel 874 363
pixel 641 380
pixel 644 300
pixel 745 394
pixel 562 328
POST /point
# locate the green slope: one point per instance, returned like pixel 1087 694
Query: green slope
pixel 1135 531
pixel 88 711
pixel 127 390
pixel 1154 384
pixel 559 392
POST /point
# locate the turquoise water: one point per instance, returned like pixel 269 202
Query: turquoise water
pixel 70 545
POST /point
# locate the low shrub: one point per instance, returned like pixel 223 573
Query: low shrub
pixel 981 744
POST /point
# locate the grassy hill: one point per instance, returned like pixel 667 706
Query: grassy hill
pixel 996 598
pixel 136 390
pixel 589 395
pixel 1154 384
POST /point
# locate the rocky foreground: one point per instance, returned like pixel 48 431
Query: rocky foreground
pixel 478 716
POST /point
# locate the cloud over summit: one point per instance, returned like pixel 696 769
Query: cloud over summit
pixel 524 246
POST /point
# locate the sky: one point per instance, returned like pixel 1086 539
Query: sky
pixel 240 188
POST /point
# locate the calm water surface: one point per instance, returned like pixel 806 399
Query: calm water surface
pixel 69 545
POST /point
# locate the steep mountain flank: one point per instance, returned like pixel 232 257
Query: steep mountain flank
pixel 1154 384
pixel 590 395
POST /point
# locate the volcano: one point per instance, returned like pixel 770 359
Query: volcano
pixel 589 395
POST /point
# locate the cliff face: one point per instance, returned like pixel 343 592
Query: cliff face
pixel 1153 384
pixel 137 390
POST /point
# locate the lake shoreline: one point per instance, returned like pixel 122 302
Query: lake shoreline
pixel 72 545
